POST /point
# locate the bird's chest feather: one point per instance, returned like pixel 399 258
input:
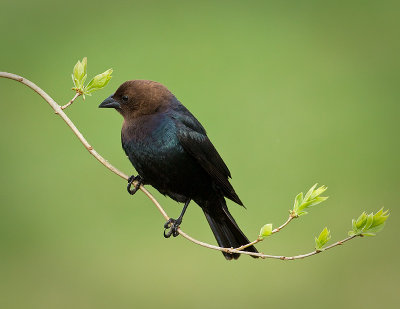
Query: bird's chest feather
pixel 153 148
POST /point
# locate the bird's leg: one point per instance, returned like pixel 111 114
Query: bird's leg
pixel 173 224
pixel 130 182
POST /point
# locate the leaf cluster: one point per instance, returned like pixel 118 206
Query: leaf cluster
pixel 79 75
pixel 369 225
pixel 312 198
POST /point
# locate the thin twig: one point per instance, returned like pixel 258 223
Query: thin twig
pixel 59 111
pixel 291 217
pixel 302 256
pixel 250 244
pixel 72 100
pixel 260 239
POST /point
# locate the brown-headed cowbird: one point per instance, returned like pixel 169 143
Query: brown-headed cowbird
pixel 170 150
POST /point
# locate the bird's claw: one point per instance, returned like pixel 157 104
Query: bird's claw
pixel 171 228
pixel 130 182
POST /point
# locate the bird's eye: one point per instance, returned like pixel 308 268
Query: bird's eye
pixel 125 98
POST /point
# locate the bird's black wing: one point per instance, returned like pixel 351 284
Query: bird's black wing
pixel 194 140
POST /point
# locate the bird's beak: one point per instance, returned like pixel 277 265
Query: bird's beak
pixel 110 103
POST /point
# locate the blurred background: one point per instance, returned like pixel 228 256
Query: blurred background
pixel 291 93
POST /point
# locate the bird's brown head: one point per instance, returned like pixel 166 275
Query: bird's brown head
pixel 136 98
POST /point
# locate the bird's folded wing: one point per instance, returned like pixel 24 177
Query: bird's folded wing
pixel 194 140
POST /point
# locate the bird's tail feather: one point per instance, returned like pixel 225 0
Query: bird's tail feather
pixel 225 228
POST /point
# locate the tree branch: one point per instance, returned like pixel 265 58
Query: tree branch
pixel 259 239
pixel 72 100
pixel 59 111
pixel 291 217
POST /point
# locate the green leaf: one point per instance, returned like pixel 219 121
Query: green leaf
pixel 79 73
pixel 369 221
pixel 98 82
pixel 322 239
pixel 313 202
pixel 351 233
pixel 367 234
pixel 298 200
pixel 353 223
pixel 374 229
pixel 266 230
pixel 380 217
pixel 318 192
pixel 308 195
pixel 362 219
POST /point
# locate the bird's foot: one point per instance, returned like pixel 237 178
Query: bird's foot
pixel 171 227
pixel 137 186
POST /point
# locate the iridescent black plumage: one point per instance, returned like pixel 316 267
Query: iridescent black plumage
pixel 170 150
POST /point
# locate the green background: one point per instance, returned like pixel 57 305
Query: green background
pixel 291 93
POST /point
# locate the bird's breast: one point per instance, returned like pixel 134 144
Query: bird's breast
pixel 157 155
pixel 152 146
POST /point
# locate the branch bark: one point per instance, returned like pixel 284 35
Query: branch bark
pixel 59 111
pixel 72 101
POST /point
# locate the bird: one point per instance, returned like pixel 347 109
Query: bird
pixel 170 150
